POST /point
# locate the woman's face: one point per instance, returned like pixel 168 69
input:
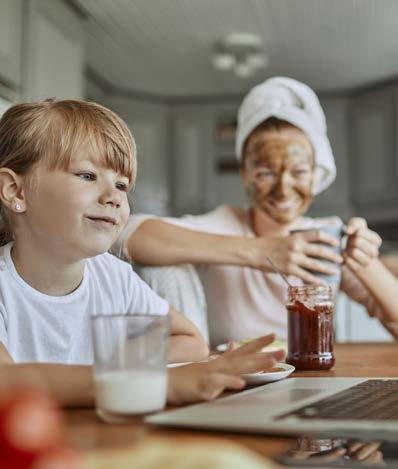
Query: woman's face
pixel 278 173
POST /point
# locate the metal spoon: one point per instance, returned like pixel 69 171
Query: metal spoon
pixel 277 271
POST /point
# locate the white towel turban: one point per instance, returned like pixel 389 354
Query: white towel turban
pixel 296 103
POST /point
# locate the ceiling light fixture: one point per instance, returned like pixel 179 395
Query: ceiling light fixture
pixel 240 52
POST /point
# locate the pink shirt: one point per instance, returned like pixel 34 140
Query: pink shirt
pixel 243 302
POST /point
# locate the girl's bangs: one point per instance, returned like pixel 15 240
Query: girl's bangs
pixel 107 140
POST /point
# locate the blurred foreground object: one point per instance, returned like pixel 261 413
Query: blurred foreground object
pixel 31 433
pixel 166 453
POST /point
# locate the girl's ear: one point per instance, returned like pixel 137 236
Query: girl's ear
pixel 12 194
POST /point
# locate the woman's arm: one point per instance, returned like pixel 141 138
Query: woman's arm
pixel 186 342
pixel 382 285
pixel 378 286
pixel 391 262
pixel 156 242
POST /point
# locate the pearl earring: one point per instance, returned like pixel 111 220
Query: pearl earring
pixel 18 207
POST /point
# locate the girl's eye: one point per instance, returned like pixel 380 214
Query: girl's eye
pixel 87 176
pixel 121 186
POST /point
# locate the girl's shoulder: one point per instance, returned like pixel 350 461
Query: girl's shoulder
pixel 109 267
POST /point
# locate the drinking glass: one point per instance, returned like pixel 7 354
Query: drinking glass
pixel 130 357
pixel 337 231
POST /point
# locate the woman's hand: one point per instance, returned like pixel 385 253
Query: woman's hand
pixel 205 381
pixel 297 253
pixel 362 245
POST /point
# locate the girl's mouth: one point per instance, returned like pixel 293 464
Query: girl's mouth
pixel 105 222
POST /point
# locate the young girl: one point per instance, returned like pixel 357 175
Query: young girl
pixel 65 170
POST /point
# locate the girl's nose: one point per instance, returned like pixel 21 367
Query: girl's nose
pixel 111 196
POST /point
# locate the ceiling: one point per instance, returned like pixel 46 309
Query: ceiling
pixel 163 47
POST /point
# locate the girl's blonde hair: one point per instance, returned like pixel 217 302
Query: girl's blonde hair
pixel 52 131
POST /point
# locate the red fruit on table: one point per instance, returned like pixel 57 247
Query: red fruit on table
pixel 30 424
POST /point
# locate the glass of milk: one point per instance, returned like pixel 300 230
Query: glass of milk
pixel 130 357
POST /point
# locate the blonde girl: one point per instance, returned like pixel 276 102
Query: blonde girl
pixel 65 170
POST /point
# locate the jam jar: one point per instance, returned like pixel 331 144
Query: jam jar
pixel 310 327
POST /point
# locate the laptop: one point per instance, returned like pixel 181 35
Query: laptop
pixel 349 406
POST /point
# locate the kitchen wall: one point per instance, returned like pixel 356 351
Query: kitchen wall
pixel 42 53
pixel 195 153
pixel 41 49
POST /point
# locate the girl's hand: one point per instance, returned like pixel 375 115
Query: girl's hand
pixel 296 254
pixel 362 245
pixel 206 381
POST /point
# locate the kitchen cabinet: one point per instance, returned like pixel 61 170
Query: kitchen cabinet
pixel 353 324
pixel 336 199
pixel 373 158
pixel 55 51
pixel 189 161
pixel 204 158
pixel 149 124
pixel 10 42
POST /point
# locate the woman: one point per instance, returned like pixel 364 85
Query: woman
pixel 285 159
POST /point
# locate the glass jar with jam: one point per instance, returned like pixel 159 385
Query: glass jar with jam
pixel 310 327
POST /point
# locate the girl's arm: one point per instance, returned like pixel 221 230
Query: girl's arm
pixel 157 242
pixel 186 342
pixel 69 385
pixel 73 385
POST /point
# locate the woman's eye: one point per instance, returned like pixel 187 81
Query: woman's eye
pixel 263 174
pixel 87 176
pixel 301 172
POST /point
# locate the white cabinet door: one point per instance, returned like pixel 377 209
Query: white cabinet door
pixel 149 123
pixel 55 59
pixel 353 324
pixel 373 168
pixel 10 41
pixel 189 162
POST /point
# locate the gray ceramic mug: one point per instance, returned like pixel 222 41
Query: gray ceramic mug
pixel 336 231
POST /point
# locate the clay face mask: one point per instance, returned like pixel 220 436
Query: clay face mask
pixel 278 177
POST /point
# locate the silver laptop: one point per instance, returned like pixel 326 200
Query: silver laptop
pixel 349 406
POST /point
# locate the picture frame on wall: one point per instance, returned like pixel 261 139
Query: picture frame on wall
pixel 224 139
pixel 225 130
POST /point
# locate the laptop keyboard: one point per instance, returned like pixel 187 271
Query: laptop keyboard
pixel 375 399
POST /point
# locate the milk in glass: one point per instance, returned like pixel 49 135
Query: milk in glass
pixel 130 391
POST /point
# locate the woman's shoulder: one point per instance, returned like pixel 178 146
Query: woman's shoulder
pixel 224 219
pixel 229 219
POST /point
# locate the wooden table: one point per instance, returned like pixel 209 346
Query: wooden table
pixel 85 431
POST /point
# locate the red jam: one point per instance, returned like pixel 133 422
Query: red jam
pixel 310 330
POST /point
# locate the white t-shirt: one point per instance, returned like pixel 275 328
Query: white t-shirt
pixel 35 327
pixel 243 302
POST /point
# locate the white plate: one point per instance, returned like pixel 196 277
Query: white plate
pixel 276 345
pixel 269 377
pixel 175 365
